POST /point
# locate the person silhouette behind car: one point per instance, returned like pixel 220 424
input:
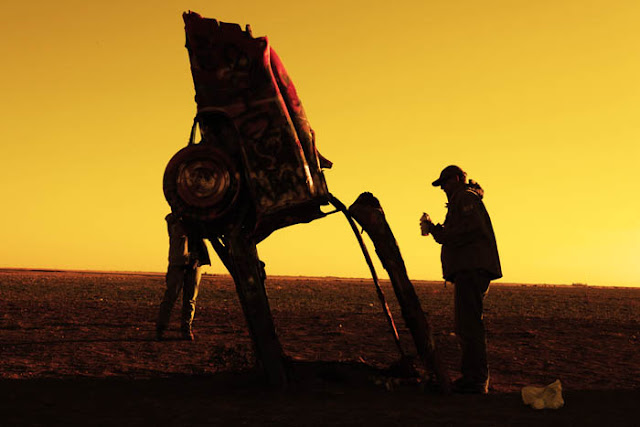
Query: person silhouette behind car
pixel 187 254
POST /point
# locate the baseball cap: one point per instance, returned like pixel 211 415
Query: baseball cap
pixel 448 172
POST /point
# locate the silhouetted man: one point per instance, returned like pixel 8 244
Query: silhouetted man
pixel 187 254
pixel 470 261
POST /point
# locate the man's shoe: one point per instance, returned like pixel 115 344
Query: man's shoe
pixel 467 386
pixel 159 334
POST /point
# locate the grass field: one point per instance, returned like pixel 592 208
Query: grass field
pixel 79 348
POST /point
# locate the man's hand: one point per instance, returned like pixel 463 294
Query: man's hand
pixel 425 224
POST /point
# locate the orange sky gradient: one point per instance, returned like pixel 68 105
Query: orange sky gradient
pixel 537 101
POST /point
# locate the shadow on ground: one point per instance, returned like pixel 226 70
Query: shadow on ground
pixel 324 394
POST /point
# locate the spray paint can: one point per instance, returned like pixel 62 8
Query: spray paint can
pixel 424 224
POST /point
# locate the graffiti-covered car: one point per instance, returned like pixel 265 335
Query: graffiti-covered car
pixel 257 151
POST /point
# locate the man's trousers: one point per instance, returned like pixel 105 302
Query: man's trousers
pixel 471 286
pixel 185 279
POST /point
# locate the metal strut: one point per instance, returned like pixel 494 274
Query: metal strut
pixel 383 301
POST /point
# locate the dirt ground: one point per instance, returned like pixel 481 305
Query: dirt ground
pixel 78 348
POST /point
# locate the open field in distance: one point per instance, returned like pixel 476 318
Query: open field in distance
pixel 88 337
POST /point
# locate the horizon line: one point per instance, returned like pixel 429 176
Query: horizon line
pixel 159 273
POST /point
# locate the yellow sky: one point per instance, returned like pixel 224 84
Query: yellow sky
pixel 537 101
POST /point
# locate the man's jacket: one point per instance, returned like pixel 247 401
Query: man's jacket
pixel 467 238
pixel 185 247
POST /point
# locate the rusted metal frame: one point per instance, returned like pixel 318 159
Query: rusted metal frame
pixel 235 245
pixel 366 210
pixel 248 277
pixel 383 301
pixel 217 242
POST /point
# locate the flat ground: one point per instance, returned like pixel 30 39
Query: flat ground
pixel 79 349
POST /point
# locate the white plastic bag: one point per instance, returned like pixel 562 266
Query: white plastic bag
pixel 544 397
